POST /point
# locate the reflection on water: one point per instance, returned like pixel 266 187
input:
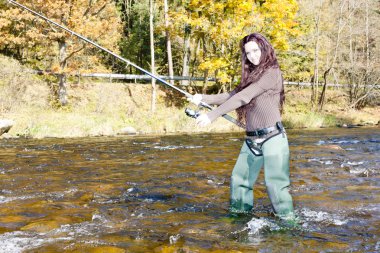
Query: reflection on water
pixel 170 194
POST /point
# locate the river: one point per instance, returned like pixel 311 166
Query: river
pixel 170 194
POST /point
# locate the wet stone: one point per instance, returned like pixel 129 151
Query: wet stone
pixel 41 227
pixel 128 131
pixel 44 226
pixel 5 125
pixel 99 249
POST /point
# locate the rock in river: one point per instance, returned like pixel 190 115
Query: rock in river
pixel 128 130
pixel 5 125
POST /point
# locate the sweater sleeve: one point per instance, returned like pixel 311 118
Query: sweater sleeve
pixel 266 82
pixel 217 99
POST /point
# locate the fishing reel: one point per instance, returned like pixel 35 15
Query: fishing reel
pixel 191 113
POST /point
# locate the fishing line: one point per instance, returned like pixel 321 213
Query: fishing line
pixel 188 95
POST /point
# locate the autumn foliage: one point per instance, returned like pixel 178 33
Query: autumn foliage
pixel 218 27
pixel 29 37
pixel 316 41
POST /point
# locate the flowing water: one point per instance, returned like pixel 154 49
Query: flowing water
pixel 170 194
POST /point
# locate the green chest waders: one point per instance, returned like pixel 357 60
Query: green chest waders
pixel 273 154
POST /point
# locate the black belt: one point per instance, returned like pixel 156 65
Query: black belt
pixel 264 131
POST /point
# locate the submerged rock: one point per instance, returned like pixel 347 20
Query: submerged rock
pixel 41 226
pixel 332 146
pixel 5 125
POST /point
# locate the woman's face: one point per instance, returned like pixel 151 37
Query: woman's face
pixel 253 52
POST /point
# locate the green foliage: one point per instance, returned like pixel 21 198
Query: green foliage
pixel 134 45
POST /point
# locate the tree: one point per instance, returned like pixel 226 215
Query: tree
pixel 315 78
pixel 151 29
pixel 330 66
pixel 362 50
pixel 168 41
pixel 215 28
pixel 46 47
pixel 349 35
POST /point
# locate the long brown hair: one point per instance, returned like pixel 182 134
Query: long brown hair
pixel 251 73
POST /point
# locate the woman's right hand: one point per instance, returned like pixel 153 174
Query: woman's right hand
pixel 196 99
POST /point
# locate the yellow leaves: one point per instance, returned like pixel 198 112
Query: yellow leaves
pixel 199 4
pixel 245 6
pixel 280 17
pixel 221 24
pixel 223 77
pixel 218 7
pixel 199 23
pixel 217 65
pixel 213 64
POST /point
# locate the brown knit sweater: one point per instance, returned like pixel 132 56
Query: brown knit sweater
pixel 265 91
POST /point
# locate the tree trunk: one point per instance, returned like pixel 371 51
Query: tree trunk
pixel 168 42
pixel 314 88
pixel 205 74
pixel 205 83
pixel 62 90
pixel 141 47
pixel 196 49
pixel 323 94
pixel 151 15
pixel 186 55
pixel 367 42
pixel 337 43
pixel 352 84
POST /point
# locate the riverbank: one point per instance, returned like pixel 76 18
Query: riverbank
pixel 98 109
pixel 107 109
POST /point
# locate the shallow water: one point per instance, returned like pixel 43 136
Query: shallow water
pixel 170 194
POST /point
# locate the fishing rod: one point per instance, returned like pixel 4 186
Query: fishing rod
pixel 188 95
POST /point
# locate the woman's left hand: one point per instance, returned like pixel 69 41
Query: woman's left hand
pixel 196 99
pixel 203 120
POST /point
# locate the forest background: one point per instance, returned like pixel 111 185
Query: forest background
pixel 321 42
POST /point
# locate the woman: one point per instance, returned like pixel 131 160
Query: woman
pixel 258 101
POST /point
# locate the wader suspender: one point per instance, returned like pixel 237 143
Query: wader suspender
pixel 256 147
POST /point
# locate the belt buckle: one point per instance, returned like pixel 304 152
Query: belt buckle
pixel 254 133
